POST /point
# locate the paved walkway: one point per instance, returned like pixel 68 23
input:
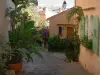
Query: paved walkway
pixel 52 64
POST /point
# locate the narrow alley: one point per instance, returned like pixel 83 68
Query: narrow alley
pixel 52 64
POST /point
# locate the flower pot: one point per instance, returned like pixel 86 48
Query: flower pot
pixel 16 67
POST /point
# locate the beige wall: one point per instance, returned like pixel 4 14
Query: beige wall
pixel 3 22
pixel 59 19
pixel 86 3
pixel 94 6
pixel 98 7
pixel 88 59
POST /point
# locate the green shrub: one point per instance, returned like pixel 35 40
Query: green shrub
pixel 5 53
pixel 87 42
pixel 72 48
pixel 23 42
pixel 55 44
pixel 69 45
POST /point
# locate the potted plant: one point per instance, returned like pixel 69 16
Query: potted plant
pixel 5 53
pixel 22 40
pixel 23 44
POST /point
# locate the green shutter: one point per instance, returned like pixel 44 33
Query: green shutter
pixel 96 34
pixel 82 28
pixel 91 26
pixel 86 25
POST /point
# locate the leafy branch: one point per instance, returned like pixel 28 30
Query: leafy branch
pixel 16 15
pixel 75 11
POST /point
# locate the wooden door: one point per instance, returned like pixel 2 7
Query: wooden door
pixel 70 31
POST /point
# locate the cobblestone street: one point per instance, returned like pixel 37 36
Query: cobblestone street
pixel 52 64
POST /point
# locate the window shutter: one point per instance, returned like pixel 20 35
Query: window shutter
pixel 82 28
pixel 96 34
pixel 86 25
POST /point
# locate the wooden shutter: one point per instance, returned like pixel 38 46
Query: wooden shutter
pixel 86 25
pixel 91 26
pixel 82 28
pixel 96 34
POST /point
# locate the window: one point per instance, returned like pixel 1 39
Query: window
pixel 60 31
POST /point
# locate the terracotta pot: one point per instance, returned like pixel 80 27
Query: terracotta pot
pixel 16 67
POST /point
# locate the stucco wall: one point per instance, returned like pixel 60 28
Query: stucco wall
pixel 60 18
pixel 53 29
pixel 98 7
pixel 86 3
pixel 3 22
pixel 89 60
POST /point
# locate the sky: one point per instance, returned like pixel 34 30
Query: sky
pixel 70 3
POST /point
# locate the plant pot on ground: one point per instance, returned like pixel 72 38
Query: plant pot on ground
pixel 21 35
pixel 5 53
pixel 16 61
pixel 23 44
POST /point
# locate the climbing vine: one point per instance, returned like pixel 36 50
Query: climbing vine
pixel 78 11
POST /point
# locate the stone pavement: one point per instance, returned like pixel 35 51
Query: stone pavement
pixel 52 64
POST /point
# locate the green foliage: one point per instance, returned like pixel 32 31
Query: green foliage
pixel 55 44
pixel 69 45
pixel 19 15
pixel 24 2
pixel 75 11
pixel 23 36
pixel 72 48
pixel 5 53
pixel 23 42
pixel 39 22
pixel 87 42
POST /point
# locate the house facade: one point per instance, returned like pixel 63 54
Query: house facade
pixel 90 60
pixel 3 22
pixel 59 25
pixel 90 7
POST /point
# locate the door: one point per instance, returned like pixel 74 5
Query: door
pixel 70 31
